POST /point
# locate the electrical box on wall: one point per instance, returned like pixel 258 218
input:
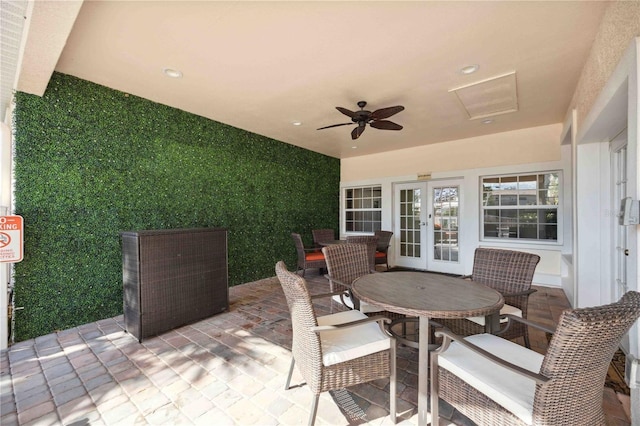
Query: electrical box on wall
pixel 629 212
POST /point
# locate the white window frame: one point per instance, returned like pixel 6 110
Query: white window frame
pixel 367 206
pixel 508 235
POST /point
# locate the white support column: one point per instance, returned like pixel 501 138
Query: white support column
pixel 5 203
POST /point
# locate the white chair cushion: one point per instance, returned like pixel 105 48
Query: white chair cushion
pixel 364 306
pixel 506 309
pixel 344 345
pixel 510 390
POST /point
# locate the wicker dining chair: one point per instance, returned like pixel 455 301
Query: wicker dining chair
pixel 510 273
pixel 346 263
pixel 307 258
pixel 382 251
pixel 322 235
pixel 494 381
pixel 338 350
pixel 371 241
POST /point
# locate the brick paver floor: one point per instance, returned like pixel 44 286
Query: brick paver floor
pixel 229 369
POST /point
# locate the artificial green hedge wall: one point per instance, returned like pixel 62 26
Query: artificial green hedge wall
pixel 91 162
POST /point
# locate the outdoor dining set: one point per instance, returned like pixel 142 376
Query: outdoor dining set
pixel 471 333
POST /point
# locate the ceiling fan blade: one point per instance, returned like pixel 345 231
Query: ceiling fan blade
pixel 385 125
pixel 355 133
pixel 346 112
pixel 335 125
pixel 382 113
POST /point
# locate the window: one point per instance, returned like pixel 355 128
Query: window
pixel 522 207
pixel 363 209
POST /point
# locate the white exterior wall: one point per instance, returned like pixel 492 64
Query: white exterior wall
pixel 615 108
pixel 532 145
pixel 502 154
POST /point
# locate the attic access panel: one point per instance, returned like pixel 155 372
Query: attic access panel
pixel 494 96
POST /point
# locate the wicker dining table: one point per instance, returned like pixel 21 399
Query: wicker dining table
pixel 426 296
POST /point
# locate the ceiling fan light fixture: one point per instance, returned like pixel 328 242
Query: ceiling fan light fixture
pixel 469 69
pixel 173 73
pixel 375 119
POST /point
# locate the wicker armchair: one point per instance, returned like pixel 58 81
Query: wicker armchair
pixel 511 273
pixel 307 258
pixel 371 241
pixel 338 350
pixel 345 263
pixel 384 240
pixel 321 235
pixel 497 382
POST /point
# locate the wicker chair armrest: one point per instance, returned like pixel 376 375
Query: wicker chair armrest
pixel 527 322
pixel 448 337
pixel 377 318
pixel 520 293
pixel 323 295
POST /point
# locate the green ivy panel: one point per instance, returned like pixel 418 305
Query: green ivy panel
pixel 91 162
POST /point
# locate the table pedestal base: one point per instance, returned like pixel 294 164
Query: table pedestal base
pixel 407 332
pixel 423 369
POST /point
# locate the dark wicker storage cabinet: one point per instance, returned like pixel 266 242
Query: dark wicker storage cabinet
pixel 173 277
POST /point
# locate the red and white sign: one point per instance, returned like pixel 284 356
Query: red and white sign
pixel 11 233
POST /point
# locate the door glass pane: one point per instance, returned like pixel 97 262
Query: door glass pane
pixel 410 205
pixel 621 242
pixel 445 223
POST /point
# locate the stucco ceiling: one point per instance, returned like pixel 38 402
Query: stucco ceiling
pixel 261 66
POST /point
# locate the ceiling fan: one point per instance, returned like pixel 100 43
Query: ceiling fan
pixel 375 119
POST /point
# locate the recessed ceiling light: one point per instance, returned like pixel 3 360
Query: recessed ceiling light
pixel 469 69
pixel 297 123
pixel 354 147
pixel 170 72
pixel 487 121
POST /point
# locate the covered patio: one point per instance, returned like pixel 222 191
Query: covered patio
pixel 228 369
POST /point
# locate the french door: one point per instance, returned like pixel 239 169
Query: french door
pixel 619 192
pixel 621 234
pixel 426 225
pixel 444 226
pixel 410 225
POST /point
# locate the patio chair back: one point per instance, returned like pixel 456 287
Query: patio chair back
pixel 352 349
pixel 578 359
pixel 382 251
pixel 345 263
pixel 322 235
pixel 307 258
pixel 509 272
pixel 560 388
pixel 371 241
pixel 305 345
